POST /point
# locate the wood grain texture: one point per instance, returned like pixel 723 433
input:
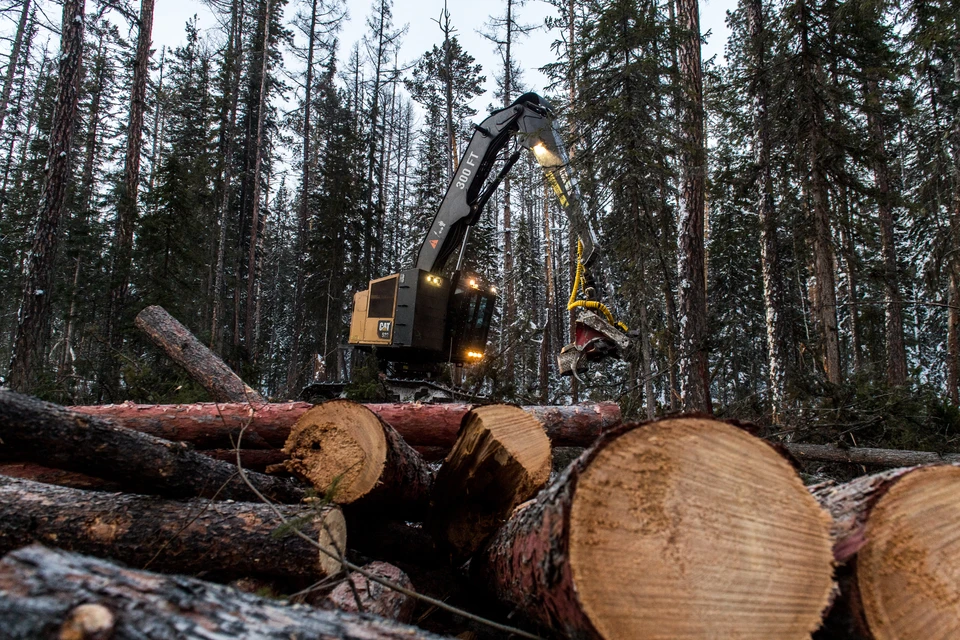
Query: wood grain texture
pixel 502 458
pixel 680 528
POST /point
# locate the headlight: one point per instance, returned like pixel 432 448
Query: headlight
pixel 474 355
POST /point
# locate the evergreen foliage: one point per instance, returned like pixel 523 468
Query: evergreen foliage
pixel 833 203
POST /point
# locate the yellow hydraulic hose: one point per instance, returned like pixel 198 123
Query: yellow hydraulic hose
pixel 573 303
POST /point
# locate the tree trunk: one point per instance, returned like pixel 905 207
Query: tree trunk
pixel 228 119
pixel 249 335
pixel 213 426
pixel 769 263
pixel 14 61
pixel 197 360
pixel 44 433
pixel 28 351
pixel 694 373
pixel 501 458
pixel 673 529
pixel 374 597
pixel 896 352
pixel 900 525
pixel 822 289
pixel 127 203
pixel 294 381
pixel 953 293
pixel 230 539
pixel 849 250
pixel 40 589
pixel 867 455
pixel 348 453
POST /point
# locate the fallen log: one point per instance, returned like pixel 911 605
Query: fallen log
pixel 897 530
pixel 431 428
pixel 197 360
pixel 229 538
pixel 868 455
pixel 40 590
pixel 502 458
pixel 347 452
pixel 35 431
pixel 357 594
pixel 72 479
pixel 682 528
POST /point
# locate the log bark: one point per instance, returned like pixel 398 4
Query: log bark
pixel 44 433
pixel 896 530
pixel 226 538
pixel 39 473
pixel 867 455
pixel 374 597
pixel 502 458
pixel 431 428
pixel 681 528
pixel 347 452
pixel 258 460
pixel 196 359
pixel 41 588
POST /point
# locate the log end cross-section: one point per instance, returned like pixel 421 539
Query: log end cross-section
pixel 339 447
pixel 501 458
pixel 908 571
pixel 682 528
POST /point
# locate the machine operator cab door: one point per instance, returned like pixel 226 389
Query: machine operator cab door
pixel 468 318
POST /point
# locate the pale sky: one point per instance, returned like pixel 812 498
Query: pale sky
pixel 468 17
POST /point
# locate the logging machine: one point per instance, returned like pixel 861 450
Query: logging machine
pixel 431 314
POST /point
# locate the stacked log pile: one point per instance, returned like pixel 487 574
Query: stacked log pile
pixel 681 528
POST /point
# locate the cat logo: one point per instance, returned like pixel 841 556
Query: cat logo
pixel 383 329
pixel 433 243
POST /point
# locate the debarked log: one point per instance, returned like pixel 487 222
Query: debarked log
pixel 899 533
pixel 430 428
pixel 49 594
pixel 681 528
pixel 35 431
pixel 227 538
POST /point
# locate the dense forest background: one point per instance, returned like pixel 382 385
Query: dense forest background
pixel 253 178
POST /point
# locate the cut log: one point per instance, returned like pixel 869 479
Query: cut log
pixel 902 528
pixel 41 588
pixel 38 473
pixel 868 455
pixel 197 360
pixel 44 433
pixel 347 452
pixel 229 538
pixel 374 597
pixel 682 528
pixel 429 428
pixel 502 458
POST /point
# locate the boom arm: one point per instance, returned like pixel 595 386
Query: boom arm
pixel 531 118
